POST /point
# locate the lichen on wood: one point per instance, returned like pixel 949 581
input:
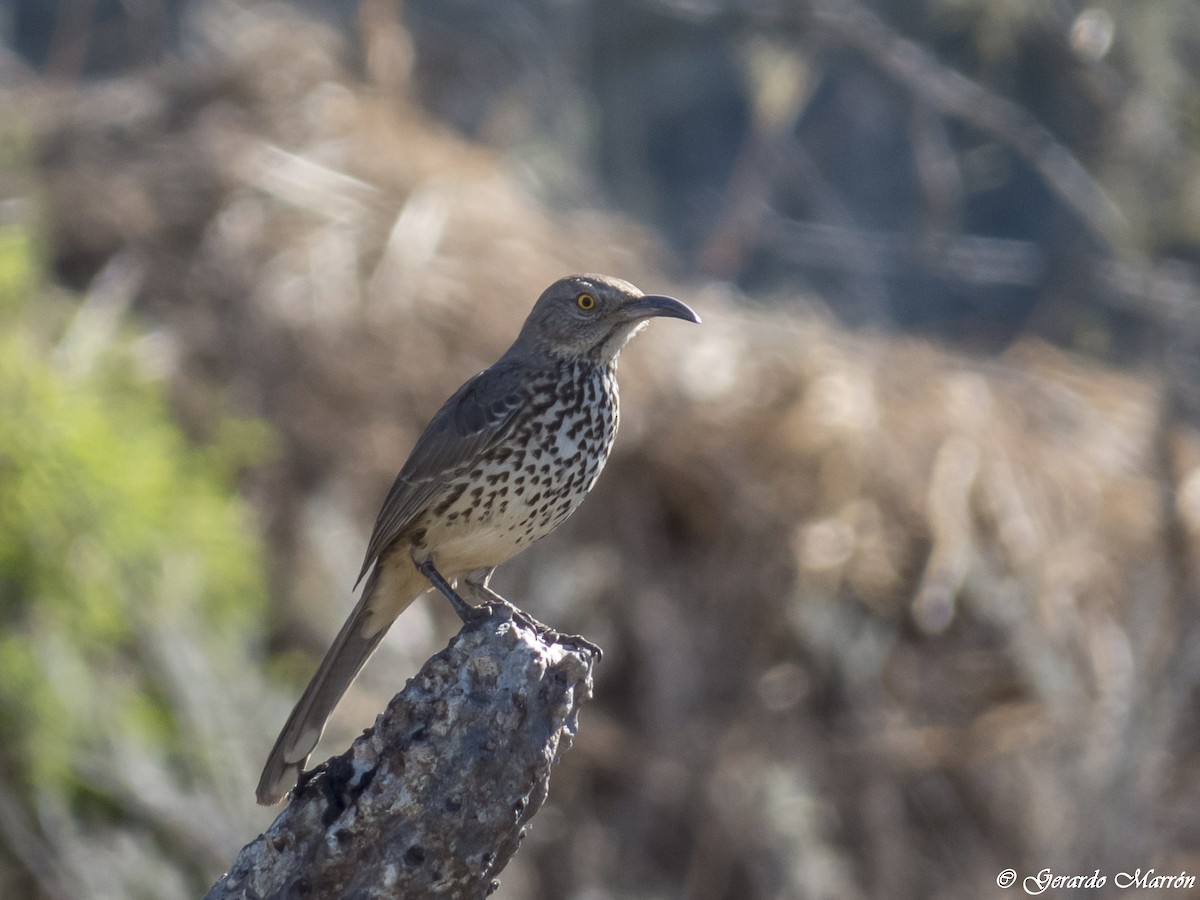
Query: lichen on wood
pixel 433 800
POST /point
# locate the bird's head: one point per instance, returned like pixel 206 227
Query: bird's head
pixel 592 316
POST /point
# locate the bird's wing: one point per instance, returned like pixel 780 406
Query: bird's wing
pixel 471 422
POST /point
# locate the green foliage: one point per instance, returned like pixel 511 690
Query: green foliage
pixel 110 522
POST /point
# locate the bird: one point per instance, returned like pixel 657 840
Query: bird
pixel 502 463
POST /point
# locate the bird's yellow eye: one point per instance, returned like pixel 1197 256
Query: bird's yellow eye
pixel 586 302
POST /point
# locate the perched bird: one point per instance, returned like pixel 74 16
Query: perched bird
pixel 503 463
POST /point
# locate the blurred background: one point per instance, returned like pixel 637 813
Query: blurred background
pixel 895 563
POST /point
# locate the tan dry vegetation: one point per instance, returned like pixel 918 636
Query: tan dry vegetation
pixel 879 620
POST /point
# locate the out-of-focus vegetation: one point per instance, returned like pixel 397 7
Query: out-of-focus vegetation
pixel 965 169
pixel 882 616
pixel 124 553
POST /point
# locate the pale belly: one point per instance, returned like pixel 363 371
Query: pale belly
pixel 459 549
pixel 482 529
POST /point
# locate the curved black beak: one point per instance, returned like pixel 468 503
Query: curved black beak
pixel 649 306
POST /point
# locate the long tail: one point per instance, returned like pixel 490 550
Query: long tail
pixel 391 587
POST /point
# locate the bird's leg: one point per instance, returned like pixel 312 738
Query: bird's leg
pixel 477 584
pixel 465 610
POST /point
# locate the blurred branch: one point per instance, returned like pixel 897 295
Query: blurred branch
pixel 1166 293
pixel 101 313
pixel 435 797
pixel 19 836
pixel 952 93
pixel 973 259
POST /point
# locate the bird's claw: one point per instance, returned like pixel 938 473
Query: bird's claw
pixel 490 602
pixel 550 636
pixel 577 642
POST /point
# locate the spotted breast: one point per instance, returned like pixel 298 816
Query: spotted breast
pixel 531 481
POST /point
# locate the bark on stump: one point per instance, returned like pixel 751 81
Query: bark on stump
pixel 432 801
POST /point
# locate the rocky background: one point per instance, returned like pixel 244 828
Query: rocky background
pixel 894 565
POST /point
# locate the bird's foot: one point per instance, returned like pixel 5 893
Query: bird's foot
pixel 545 632
pixel 489 598
pixel 575 641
